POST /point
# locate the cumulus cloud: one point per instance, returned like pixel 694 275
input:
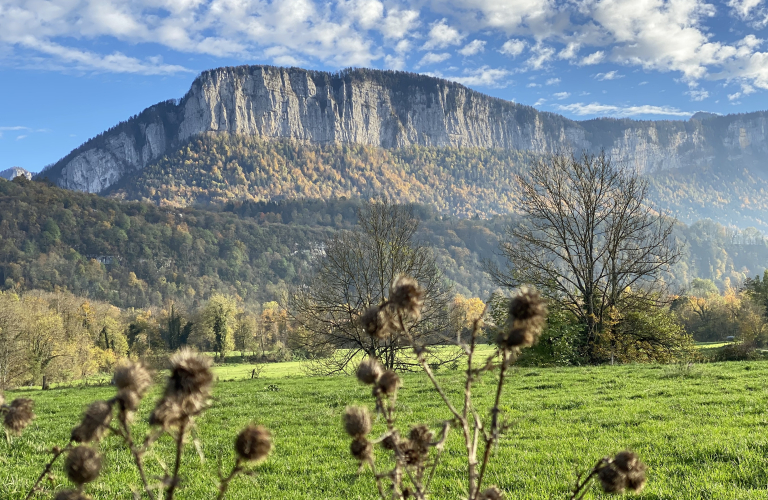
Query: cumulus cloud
pixel 570 51
pixel 561 95
pixel 472 48
pixel 441 36
pixel 553 81
pixel 484 76
pixel 581 109
pixel 541 55
pixel 697 95
pixel 593 58
pixel 513 48
pixel 433 58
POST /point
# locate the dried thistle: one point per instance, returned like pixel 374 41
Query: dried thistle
pixel 611 479
pixel 253 443
pixel 94 424
pixel 492 493
pixel 388 383
pixel 128 400
pixel 629 464
pixel 377 322
pixel 527 304
pixel 134 377
pixel 187 391
pixel 421 438
pixel 357 421
pixel 407 296
pixel 516 337
pixel 369 371
pixel 191 375
pixel 19 415
pixel 82 465
pixel 361 449
pixel 71 495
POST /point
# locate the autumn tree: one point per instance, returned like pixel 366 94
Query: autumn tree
pixel 355 274
pixel 590 239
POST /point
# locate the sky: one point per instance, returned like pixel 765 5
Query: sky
pixel 70 69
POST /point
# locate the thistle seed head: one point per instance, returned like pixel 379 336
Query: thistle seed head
pixel 516 337
pixel 357 421
pixel 421 438
pixel 388 383
pixel 390 442
pixel 133 376
pixel 96 420
pixel 377 322
pixel 19 415
pixel 71 495
pixel 191 375
pixel 629 464
pixel 407 296
pixel 369 371
pixel 82 465
pixel 492 493
pixel 611 479
pixel 167 413
pixel 361 449
pixel 253 443
pixel 129 400
pixel 527 304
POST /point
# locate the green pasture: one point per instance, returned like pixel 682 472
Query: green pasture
pixel 700 428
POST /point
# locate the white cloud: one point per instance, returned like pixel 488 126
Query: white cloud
pixel 611 75
pixel 399 23
pixel 15 128
pixel 484 76
pixel 366 13
pixel 533 85
pixel 441 35
pixel 593 58
pixel 733 97
pixel 541 55
pixel 394 62
pixel 561 95
pixel 472 48
pixel 433 58
pixel 750 11
pixel 539 102
pixel 697 95
pixel 594 108
pixel 513 48
pixel 570 51
pixel 553 81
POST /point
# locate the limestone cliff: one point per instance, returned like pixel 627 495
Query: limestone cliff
pixel 390 109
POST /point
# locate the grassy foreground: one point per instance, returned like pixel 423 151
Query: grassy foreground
pixel 701 430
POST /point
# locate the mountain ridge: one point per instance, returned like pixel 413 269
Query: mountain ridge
pixel 392 110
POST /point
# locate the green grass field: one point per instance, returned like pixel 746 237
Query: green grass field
pixel 701 430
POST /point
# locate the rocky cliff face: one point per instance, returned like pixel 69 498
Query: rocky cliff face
pixel 389 109
pixel 13 172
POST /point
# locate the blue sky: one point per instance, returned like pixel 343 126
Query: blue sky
pixel 70 69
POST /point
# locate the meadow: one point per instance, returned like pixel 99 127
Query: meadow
pixel 700 428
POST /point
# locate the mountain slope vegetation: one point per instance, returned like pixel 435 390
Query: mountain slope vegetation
pixel 465 182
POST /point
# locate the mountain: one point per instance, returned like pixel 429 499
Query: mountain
pixel 13 172
pixel 388 109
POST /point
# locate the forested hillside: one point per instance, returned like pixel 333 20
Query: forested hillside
pixel 135 254
pixel 457 181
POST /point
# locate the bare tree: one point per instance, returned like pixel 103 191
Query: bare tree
pixel 355 274
pixel 589 237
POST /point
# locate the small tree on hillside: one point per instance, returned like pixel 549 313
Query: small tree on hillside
pixel 588 238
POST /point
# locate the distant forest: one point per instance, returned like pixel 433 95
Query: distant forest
pixel 136 254
pixel 464 182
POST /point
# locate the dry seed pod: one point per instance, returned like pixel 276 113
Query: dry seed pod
pixel 369 371
pixel 19 415
pixel 134 377
pixel 191 375
pixel 82 465
pixel 357 421
pixel 361 449
pixel 611 479
pixel 492 493
pixel 253 443
pixel 527 304
pixel 95 422
pixel 420 437
pixel 407 296
pixel 388 383
pixel 377 322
